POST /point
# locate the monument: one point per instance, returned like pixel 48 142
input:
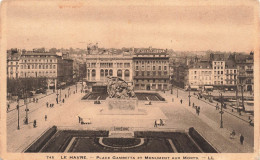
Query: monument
pixel 121 98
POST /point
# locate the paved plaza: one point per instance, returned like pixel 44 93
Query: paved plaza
pixel 177 117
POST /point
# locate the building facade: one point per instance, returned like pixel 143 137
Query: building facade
pixel 47 65
pixel 151 69
pixel 13 65
pixel 200 74
pixel 100 66
pixel 245 66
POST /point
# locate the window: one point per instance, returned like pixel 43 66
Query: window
pixel 119 73
pixel 142 73
pixel 40 67
pixel 165 68
pixel 21 67
pixel 136 68
pixel 136 73
pixel 148 73
pixel 54 66
pixel 153 68
pixel 221 72
pixel 160 68
pixel 111 72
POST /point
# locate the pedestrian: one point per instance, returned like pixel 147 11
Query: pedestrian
pixel 63 100
pixel 65 95
pixel 47 104
pixel 198 110
pixel 52 104
pixel 57 100
pixel 45 117
pixel 181 101
pixel 217 107
pixel 34 124
pixel 193 105
pixel 33 100
pixel 79 119
pixel 155 124
pixel 241 139
pixel 36 100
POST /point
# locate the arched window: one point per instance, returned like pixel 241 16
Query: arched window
pixel 93 74
pixel 102 74
pixel 127 75
pixel 106 72
pixel 88 74
pixel 119 73
pixel 111 72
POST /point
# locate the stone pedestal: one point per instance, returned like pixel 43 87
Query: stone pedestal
pixel 122 107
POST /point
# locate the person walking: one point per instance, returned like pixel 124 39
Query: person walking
pixel 47 104
pixel 57 100
pixel 193 105
pixel 155 124
pixel 241 139
pixel 79 118
pixel 65 95
pixel 45 117
pixel 217 107
pixel 198 110
pixel 8 107
pixel 181 101
pixel 63 100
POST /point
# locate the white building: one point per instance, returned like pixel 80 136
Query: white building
pixel 99 66
pixel 200 74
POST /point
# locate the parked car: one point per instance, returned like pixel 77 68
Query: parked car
pixel 40 90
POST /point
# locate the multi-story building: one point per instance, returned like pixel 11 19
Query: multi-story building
pixel 200 74
pixel 245 66
pixel 218 66
pixel 48 65
pixel 230 82
pixel 101 65
pixel 151 67
pixel 13 64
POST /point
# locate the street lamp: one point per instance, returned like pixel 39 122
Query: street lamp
pixel 221 111
pixel 17 107
pixel 60 94
pixel 189 95
pixel 57 95
pixel 177 92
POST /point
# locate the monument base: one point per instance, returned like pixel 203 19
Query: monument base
pixel 122 107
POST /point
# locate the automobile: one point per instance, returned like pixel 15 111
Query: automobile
pixel 40 90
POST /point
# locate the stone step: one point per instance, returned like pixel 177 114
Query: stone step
pixel 121 134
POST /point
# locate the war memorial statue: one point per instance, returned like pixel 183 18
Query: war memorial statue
pixel 118 88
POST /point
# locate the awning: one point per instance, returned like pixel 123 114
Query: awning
pixel 209 87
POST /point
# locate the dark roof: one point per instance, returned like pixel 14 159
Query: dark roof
pixel 13 55
pixel 230 64
pixel 201 65
pixel 39 54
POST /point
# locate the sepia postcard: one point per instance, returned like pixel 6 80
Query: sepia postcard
pixel 129 80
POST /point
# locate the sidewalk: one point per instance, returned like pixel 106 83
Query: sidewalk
pixel 219 137
pixel 244 116
pixel 30 100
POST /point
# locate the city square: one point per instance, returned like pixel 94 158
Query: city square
pixel 125 80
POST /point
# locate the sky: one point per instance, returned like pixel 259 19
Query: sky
pixel 179 27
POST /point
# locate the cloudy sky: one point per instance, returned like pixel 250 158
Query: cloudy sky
pixel 179 27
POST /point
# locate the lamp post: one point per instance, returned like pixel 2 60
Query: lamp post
pixel 57 96
pixel 242 92
pixel 189 95
pixel 60 94
pixel 221 111
pixel 17 107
